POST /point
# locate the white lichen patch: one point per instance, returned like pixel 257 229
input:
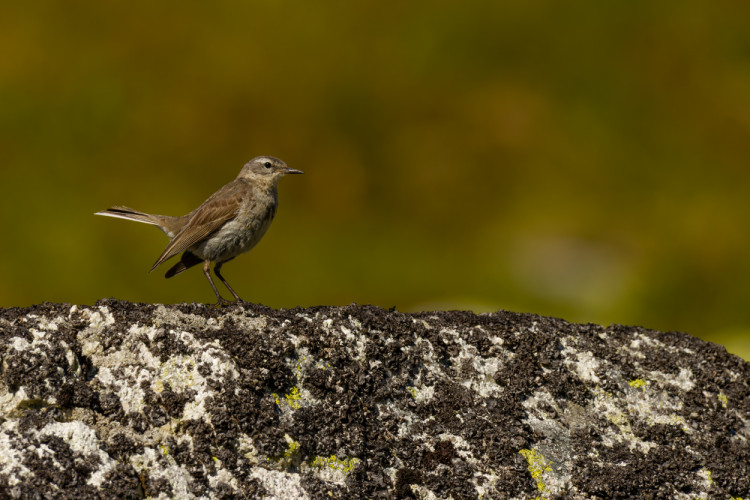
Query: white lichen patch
pixel 683 380
pixel 159 464
pixel 35 352
pixel 463 448
pixel 9 401
pixel 655 407
pixel 606 404
pixel 305 317
pixel 44 323
pixel 584 363
pixel 498 341
pixel 422 394
pixel 280 485
pixel 249 323
pixel 129 392
pixel 98 319
pixel 423 492
pixel 179 372
pixel 174 317
pixel 83 440
pixel 705 475
pixel 183 373
pixel 641 346
pixel 40 333
pixel 541 407
pixel 123 370
pixel 247 449
pixel 743 434
pixel 11 463
pixel 222 476
pixel 410 425
pixel 150 332
pixel 484 483
pixel 356 342
pixel 19 344
pixel 101 318
pixel 483 381
pixel 327 324
pixel 641 340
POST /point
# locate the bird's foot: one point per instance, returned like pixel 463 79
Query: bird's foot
pixel 222 302
pixel 225 303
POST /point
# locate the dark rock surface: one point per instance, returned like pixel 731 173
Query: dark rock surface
pixel 124 400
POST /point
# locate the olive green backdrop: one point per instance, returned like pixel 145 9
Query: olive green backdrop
pixel 584 159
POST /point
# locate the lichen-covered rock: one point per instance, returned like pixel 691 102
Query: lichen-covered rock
pixel 124 400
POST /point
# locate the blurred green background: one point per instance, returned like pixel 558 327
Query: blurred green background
pixel 589 160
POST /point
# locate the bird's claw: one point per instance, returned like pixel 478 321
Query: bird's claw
pixel 225 303
pixel 222 302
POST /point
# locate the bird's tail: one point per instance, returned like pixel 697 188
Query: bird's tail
pixel 170 225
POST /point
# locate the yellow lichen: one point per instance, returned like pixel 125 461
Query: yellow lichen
pixel 290 457
pixel 723 399
pixel 412 391
pixel 345 465
pixel 299 366
pixel 618 418
pixel 538 465
pixel 293 447
pixel 638 383
pixel 293 398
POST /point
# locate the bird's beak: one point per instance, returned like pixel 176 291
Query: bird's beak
pixel 292 171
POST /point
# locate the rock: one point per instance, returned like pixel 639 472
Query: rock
pixel 124 400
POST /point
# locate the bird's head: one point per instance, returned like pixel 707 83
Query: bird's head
pixel 266 169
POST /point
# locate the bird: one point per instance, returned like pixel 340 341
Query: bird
pixel 230 222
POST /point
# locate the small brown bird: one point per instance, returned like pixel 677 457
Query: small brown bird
pixel 230 222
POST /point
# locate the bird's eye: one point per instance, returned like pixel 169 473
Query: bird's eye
pixel 267 164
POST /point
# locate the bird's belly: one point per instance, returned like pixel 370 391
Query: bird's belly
pixel 235 237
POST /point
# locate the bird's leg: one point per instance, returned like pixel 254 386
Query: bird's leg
pixel 217 270
pixel 207 272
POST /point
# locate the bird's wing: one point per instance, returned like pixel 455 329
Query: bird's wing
pixel 221 207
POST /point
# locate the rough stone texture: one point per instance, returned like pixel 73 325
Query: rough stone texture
pixel 124 400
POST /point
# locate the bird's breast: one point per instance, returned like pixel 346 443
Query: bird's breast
pixel 239 234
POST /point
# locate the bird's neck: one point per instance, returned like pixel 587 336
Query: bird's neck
pixel 264 184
